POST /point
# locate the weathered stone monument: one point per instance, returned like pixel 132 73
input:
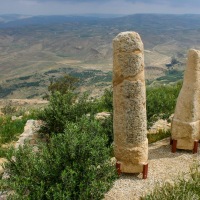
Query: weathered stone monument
pixel 129 100
pixel 186 121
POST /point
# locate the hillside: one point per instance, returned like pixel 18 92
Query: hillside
pixel 36 49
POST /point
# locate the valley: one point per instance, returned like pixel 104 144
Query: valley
pixel 33 50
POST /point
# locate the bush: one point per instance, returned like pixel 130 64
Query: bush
pixel 107 100
pixel 161 101
pixel 104 103
pixel 63 85
pixel 63 108
pixel 73 165
pixel 107 128
pixel 68 107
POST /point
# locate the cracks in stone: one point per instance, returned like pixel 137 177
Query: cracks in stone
pixel 137 51
pixel 121 79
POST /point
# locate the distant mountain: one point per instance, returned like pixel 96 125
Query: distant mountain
pixel 11 21
pixel 12 17
pixel 34 45
pixel 140 21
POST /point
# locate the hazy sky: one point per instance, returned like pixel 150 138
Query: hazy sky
pixel 65 7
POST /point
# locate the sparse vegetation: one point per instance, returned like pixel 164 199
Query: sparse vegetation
pixel 158 136
pixel 180 189
pixel 63 84
pixel 8 109
pixel 53 55
pixel 174 60
pixel 171 76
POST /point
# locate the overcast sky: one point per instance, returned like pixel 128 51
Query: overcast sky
pixel 65 7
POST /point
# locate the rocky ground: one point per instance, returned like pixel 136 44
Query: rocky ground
pixel 164 166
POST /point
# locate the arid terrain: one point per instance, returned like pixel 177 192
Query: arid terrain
pixel 34 50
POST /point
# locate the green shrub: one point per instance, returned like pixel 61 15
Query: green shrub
pixel 73 165
pixel 31 113
pixel 106 101
pixel 63 108
pixel 161 101
pixel 68 107
pixel 62 84
pixel 107 128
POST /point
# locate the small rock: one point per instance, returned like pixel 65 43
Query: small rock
pixel 102 115
pixel 15 118
pixel 160 125
pixel 2 161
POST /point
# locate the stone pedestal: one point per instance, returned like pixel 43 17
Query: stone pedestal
pixel 129 101
pixel 186 121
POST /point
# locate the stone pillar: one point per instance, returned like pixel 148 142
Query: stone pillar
pixel 186 121
pixel 129 101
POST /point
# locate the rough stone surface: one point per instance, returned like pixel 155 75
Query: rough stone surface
pixel 186 121
pixel 30 133
pixel 129 100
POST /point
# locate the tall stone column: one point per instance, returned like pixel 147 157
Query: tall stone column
pixel 186 121
pixel 129 101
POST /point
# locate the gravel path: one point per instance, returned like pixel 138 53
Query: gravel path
pixel 164 166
